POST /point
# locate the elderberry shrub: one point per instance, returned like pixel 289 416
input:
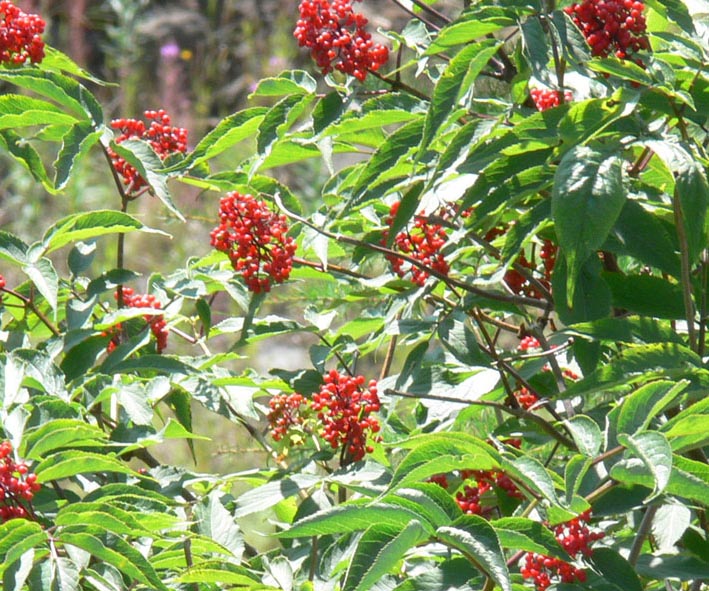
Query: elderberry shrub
pixel 255 240
pixel 20 35
pixel 337 38
pixel 17 486
pixel 163 137
pixel 422 242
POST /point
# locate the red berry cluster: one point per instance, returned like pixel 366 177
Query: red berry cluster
pixel 575 537
pixel 20 35
pixel 519 284
pixel 611 26
pixel 469 499
pixel 546 99
pixel 337 38
pixel 161 135
pixel 527 343
pixel 17 486
pixel 344 407
pixel 527 399
pixel 285 413
pixel 255 240
pixel 158 326
pixel 422 242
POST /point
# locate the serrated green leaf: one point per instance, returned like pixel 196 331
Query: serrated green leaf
pixel 386 157
pixel 287 83
pixel 271 493
pixel 17 536
pixel 643 405
pixel 521 533
pixel 443 452
pixel 378 551
pixel 454 82
pixel 17 110
pixel 534 475
pixel 22 151
pixel 672 566
pixel 230 131
pixel 101 515
pixel 586 434
pixel 75 144
pixel 60 433
pixel 574 472
pixel 45 279
pixel 86 225
pixel 623 69
pixel 65 464
pixel 60 88
pixel 429 500
pixel 278 119
pixel 348 518
pixel 216 523
pixel 114 551
pixel 641 363
pixel 475 538
pixel 12 248
pixel 616 569
pixel 655 452
pixel 220 572
pixel 464 32
pixel 587 198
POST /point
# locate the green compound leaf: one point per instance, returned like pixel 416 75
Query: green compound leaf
pixel 92 224
pixel 22 151
pixel 60 433
pixel 23 111
pixel 654 450
pixel 477 540
pixel 45 279
pixel 521 533
pixel 65 464
pixel 429 500
pixel 17 536
pixel 586 434
pixel 112 550
pixel 349 518
pixel 455 81
pixel 229 132
pixel 75 143
pixel 59 88
pixel 587 198
pixel 379 549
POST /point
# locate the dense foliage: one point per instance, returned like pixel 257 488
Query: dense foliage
pixel 502 285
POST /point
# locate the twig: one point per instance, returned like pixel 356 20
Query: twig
pixel 515 412
pixel 643 532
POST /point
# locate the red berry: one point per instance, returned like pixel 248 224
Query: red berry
pixel 574 536
pixel 17 486
pixel 20 35
pixel 344 406
pixel 163 138
pixel 422 242
pixel 337 38
pixel 546 99
pixel 616 28
pixel 255 240
pixel 157 323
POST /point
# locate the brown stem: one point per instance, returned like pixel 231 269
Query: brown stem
pixel 28 304
pixel 685 271
pixel 515 412
pixel 449 281
pixel 643 532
